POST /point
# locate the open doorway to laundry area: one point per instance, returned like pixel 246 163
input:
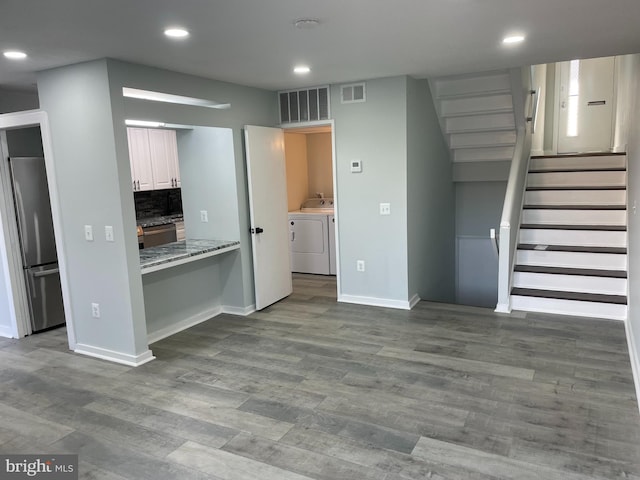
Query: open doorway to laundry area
pixel 309 154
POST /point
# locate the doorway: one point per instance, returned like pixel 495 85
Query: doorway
pixel 310 165
pixel 586 97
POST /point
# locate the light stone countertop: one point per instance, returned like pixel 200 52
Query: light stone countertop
pixel 177 253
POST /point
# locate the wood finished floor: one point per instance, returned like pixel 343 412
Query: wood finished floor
pixel 313 389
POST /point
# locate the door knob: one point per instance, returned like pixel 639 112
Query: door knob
pixel 257 230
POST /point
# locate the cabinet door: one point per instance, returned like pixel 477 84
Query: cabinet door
pixel 161 161
pixel 140 158
pixel 172 151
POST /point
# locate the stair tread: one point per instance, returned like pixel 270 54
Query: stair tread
pixel 547 226
pixel 573 248
pixel 578 155
pixel 453 131
pixel 577 169
pixel 475 112
pixel 561 295
pixel 580 187
pixel 585 272
pixel 574 207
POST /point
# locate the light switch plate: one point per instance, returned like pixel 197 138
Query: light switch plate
pixel 385 209
pixel 108 233
pixel 356 166
pixel 204 216
pixel 88 233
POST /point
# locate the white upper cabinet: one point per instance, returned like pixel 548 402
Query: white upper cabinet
pixel 140 159
pixel 154 159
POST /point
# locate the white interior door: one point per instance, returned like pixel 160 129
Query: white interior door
pixel 586 105
pixel 266 172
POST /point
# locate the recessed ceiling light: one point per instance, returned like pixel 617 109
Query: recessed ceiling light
pixel 306 23
pixel 15 54
pixel 176 32
pixel 301 69
pixel 513 39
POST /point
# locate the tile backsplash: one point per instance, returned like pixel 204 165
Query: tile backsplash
pixel 156 203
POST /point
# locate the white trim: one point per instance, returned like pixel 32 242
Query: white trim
pixel 7 332
pixel 34 118
pixel 504 307
pixel 413 301
pixel 241 311
pixel 183 324
pixel 375 302
pixel 112 356
pixel 634 356
pixel 537 153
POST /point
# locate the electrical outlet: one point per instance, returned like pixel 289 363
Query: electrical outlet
pixel 385 209
pixel 360 265
pixel 95 310
pixel 108 233
pixel 88 233
pixel 204 216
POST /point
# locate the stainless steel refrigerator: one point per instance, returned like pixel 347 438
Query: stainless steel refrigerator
pixel 37 243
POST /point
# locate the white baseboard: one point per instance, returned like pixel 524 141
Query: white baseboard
pixel 634 356
pixel 242 311
pixel 183 324
pixel 503 307
pixel 413 301
pixel 375 302
pixel 112 356
pixel 6 331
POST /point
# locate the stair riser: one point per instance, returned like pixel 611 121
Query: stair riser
pixel 483 139
pixel 604 261
pixel 587 238
pixel 499 121
pixel 486 154
pixel 576 197
pixel 570 283
pixel 462 106
pixel 575 217
pixel 576 179
pixel 472 85
pixel 569 307
pixel 577 163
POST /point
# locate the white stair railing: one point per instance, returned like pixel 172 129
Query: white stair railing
pixel 525 100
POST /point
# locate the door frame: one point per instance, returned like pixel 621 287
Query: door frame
pixel 9 252
pixel 336 202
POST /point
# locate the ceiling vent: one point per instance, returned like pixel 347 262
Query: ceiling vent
pixel 353 93
pixel 309 105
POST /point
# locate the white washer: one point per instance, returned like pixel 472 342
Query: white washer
pixel 309 242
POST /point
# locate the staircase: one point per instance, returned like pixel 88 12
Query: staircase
pixel 572 252
pixel 476 115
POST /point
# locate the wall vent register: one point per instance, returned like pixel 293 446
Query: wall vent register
pixel 308 105
pixel 353 93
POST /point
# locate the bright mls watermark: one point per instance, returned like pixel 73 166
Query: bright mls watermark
pixel 52 467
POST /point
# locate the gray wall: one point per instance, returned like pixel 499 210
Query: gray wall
pixel 431 201
pixel 478 209
pixel 633 159
pixel 17 101
pixel 93 179
pixel 249 106
pixel 208 175
pixel 374 132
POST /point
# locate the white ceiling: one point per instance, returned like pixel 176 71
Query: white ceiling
pixel 254 42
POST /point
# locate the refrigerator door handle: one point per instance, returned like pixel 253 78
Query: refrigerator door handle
pixel 45 273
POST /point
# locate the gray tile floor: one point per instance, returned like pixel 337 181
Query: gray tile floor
pixel 310 388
